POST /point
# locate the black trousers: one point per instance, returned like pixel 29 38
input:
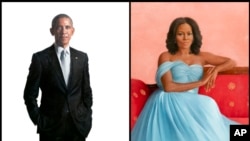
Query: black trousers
pixel 66 132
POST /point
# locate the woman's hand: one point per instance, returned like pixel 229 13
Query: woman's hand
pixel 211 82
pixel 206 76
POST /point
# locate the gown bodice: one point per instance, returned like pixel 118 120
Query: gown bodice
pixel 181 73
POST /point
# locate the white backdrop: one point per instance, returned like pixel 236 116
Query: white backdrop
pixel 101 30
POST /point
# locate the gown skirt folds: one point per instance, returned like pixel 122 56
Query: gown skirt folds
pixel 180 116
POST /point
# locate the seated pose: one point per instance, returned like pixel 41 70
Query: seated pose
pixel 175 111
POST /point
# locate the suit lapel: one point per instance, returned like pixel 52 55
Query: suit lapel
pixel 72 67
pixel 56 66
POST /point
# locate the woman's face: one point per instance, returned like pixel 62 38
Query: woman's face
pixel 184 36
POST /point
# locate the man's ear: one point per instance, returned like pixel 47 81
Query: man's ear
pixel 73 31
pixel 52 32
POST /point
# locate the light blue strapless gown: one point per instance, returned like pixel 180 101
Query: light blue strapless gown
pixel 180 116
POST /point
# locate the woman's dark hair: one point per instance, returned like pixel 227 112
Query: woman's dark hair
pixel 171 36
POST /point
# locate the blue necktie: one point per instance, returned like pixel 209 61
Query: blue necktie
pixel 65 63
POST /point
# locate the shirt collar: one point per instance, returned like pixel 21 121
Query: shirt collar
pixel 59 49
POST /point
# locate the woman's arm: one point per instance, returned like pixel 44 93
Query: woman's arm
pixel 170 86
pixel 220 64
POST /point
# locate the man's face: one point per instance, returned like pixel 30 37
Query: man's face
pixel 63 31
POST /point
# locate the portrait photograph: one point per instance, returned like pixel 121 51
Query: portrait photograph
pixel 100 68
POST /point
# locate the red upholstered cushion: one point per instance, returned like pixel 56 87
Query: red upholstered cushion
pixel 241 120
pixel 231 93
pixel 139 95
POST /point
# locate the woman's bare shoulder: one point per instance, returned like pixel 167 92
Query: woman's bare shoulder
pixel 213 59
pixel 204 54
pixel 164 56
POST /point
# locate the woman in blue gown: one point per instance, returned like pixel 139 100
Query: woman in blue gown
pixel 175 111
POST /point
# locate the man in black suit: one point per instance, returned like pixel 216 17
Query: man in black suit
pixel 65 112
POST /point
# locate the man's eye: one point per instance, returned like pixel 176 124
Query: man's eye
pixel 68 27
pixel 59 28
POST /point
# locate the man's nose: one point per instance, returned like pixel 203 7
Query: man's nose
pixel 64 29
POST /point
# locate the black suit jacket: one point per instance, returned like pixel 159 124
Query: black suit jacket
pixel 58 99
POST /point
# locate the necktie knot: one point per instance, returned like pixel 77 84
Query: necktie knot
pixel 63 54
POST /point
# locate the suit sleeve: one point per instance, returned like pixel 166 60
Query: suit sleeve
pixel 87 91
pixel 31 89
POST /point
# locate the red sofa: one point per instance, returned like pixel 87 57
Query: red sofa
pixel 231 93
